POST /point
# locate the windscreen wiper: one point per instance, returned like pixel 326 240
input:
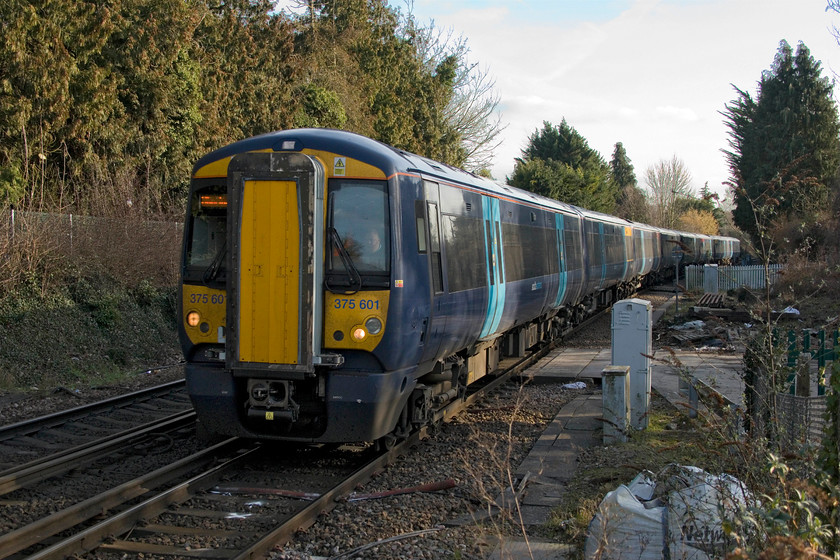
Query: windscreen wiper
pixel 353 276
pixel 212 271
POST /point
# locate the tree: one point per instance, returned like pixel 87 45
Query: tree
pixel 631 203
pixel 366 62
pixel 559 163
pixel 784 146
pixel 670 183
pixel 698 221
pixel 621 169
pixel 471 110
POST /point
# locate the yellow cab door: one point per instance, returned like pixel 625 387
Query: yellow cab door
pixel 269 273
pixel 274 310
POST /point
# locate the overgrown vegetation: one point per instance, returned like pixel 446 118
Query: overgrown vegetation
pixel 89 332
pixel 85 300
pixel 128 94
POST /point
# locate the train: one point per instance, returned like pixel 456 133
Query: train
pixel 336 289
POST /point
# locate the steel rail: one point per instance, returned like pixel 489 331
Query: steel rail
pixel 27 474
pixel 119 523
pixel 327 501
pixel 64 416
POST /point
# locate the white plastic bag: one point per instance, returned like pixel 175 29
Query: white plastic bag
pixel 624 528
pixel 677 517
pixel 698 502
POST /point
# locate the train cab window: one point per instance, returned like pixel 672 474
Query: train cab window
pixel 359 230
pixel 207 233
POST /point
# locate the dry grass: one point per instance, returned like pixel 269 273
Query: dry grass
pixel 84 299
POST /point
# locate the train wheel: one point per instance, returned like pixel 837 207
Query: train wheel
pixel 385 443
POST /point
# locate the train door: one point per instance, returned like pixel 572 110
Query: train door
pixel 275 312
pixel 495 266
pixel 561 259
pixel 436 322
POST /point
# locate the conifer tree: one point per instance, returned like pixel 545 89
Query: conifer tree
pixel 785 144
pixel 631 202
pixel 559 163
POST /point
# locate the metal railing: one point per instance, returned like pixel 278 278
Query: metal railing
pixel 731 277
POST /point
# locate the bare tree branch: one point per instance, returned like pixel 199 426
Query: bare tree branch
pixel 668 181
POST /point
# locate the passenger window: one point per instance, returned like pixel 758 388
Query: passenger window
pixel 420 224
pixel 434 239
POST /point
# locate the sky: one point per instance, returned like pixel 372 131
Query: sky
pixel 654 75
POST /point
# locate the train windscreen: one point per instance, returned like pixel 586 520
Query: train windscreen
pixel 359 225
pixel 206 244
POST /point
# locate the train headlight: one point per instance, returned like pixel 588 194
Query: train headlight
pixel 359 334
pixel 193 318
pixel 373 326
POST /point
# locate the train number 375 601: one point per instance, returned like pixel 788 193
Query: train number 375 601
pixel 344 303
pixel 215 299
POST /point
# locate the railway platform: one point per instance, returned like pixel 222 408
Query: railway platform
pixel 553 459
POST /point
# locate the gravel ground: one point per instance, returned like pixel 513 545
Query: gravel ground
pixel 477 450
pixel 19 406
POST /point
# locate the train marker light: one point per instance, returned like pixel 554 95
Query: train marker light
pixel 359 334
pixel 193 318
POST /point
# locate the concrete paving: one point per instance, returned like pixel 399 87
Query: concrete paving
pixel 553 459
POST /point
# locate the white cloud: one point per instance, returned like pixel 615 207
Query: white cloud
pixel 677 113
pixel 654 76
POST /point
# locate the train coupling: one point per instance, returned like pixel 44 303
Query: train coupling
pixel 271 399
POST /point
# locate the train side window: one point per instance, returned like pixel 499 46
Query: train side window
pixel 420 224
pixel 466 265
pixel 434 241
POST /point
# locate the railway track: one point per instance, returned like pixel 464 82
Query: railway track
pixel 61 432
pixel 221 502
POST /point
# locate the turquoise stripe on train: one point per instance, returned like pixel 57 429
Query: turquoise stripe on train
pixel 495 268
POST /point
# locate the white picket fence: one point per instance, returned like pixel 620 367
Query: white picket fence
pixel 731 277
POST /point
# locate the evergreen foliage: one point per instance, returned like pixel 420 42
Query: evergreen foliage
pixel 621 169
pixel 558 163
pixel 125 95
pixel 631 203
pixel 785 145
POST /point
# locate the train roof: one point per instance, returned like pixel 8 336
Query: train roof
pixel 393 160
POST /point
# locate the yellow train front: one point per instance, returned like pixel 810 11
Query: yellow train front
pixel 263 279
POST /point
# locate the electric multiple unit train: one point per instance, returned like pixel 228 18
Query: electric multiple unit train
pixel 336 289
